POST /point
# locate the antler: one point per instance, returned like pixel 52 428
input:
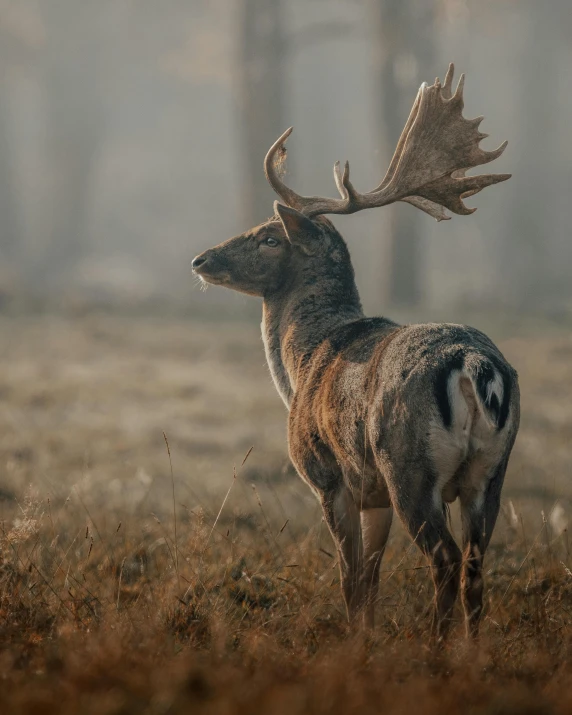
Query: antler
pixel 437 146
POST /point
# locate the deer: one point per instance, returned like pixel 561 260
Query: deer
pixel 383 417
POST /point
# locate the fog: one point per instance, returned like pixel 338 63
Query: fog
pixel 132 136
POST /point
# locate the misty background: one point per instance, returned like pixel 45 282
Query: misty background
pixel 132 136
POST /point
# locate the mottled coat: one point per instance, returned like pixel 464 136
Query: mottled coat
pixel 381 416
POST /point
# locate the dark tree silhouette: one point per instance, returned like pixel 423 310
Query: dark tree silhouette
pixel 10 229
pixel 261 92
pixel 404 57
pixel 75 99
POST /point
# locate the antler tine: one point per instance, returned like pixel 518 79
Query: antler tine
pixel 429 207
pixel 345 187
pixel 458 96
pixel 476 123
pixel 455 189
pixel 448 83
pixel 338 178
pixel 290 197
pixel 351 193
pixel 437 146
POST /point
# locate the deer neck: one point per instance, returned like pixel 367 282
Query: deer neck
pixel 297 321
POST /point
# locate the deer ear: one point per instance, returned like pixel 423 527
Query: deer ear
pixel 300 230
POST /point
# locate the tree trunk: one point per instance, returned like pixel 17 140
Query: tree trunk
pixel 10 229
pixel 403 57
pixel 260 88
pixel 75 117
pixel 525 246
pixel 73 142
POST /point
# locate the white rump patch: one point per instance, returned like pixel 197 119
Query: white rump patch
pixel 472 431
pixel 461 415
pixel 495 387
pixel 449 447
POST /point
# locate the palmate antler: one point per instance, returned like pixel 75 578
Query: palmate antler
pixel 437 146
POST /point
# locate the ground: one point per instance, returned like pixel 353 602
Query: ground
pixel 137 581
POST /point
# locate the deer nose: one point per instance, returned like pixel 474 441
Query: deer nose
pixel 198 261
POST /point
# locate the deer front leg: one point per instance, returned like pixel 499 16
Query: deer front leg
pixel 343 519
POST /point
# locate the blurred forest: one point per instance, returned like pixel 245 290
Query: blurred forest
pixel 132 136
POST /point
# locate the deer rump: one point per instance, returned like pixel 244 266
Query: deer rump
pixel 473 395
pixel 429 398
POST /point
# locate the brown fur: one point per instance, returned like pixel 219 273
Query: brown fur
pixel 381 416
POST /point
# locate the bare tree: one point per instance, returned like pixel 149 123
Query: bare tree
pixel 524 263
pixel 18 42
pixel 75 105
pixel 260 89
pixel 10 229
pixel 403 54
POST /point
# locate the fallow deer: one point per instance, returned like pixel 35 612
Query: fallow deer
pixel 383 416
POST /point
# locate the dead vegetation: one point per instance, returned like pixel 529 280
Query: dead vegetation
pixel 103 610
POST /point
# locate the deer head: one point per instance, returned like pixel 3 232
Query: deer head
pixel 275 255
pixel 437 146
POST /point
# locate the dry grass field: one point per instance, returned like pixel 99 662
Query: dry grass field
pixel 127 588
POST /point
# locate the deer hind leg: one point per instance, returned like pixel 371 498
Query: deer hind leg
pixel 423 516
pixel 436 542
pixel 375 528
pixel 479 511
pixel 343 519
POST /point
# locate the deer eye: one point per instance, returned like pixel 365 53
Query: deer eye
pixel 272 242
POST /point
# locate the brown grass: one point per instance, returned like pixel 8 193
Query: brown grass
pixel 103 611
